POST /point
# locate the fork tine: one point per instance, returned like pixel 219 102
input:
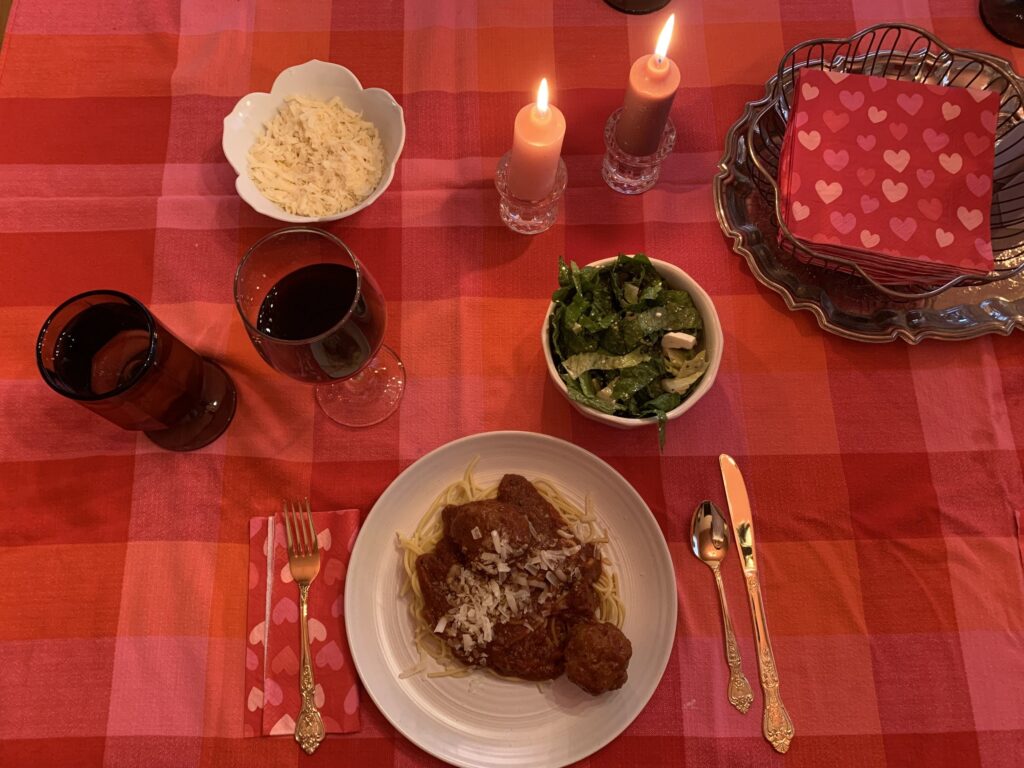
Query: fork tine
pixel 300 532
pixel 287 527
pixel 312 530
pixel 297 522
pixel 300 523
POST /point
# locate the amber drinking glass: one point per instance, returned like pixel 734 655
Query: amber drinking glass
pixel 106 351
pixel 314 312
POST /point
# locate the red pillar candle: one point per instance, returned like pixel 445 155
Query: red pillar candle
pixel 536 148
pixel 653 82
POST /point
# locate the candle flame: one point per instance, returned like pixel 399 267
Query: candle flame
pixel 542 96
pixel 661 49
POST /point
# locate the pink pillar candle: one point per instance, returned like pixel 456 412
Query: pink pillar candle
pixel 536 148
pixel 653 82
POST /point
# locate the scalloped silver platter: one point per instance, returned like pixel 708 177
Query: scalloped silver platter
pixel 843 304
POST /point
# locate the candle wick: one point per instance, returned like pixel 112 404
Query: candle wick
pixel 659 60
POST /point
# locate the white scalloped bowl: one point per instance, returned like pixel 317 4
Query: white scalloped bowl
pixel 321 80
pixel 713 342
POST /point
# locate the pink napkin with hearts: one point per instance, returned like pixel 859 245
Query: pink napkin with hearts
pixel 896 176
pixel 272 645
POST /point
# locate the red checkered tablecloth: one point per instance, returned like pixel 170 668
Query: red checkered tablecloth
pixel 886 480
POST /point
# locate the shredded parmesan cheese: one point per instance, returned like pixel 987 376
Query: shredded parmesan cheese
pixel 498 590
pixel 317 158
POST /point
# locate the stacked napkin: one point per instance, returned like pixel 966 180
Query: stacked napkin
pixel 272 649
pixel 895 176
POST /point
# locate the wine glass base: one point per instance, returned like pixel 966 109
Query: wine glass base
pixel 209 420
pixel 1007 24
pixel 637 6
pixel 370 396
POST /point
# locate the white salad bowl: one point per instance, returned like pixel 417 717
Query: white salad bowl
pixel 320 80
pixel 676 279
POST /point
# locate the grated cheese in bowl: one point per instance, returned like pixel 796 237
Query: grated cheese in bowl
pixel 317 158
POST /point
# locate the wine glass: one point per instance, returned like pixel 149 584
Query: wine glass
pixel 314 312
pixel 107 352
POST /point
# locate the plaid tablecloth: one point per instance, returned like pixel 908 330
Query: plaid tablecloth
pixel 886 480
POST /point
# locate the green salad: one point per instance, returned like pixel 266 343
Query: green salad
pixel 619 339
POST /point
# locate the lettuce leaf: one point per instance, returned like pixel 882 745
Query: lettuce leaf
pixel 591 401
pixel 686 369
pixel 576 365
pixel 632 380
pixel 681 362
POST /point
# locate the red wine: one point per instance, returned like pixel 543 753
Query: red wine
pixel 101 349
pixel 307 302
pixel 310 302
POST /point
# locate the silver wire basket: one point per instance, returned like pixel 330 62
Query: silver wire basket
pixel 903 52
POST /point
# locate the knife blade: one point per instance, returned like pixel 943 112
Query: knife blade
pixel 739 512
pixel 776 723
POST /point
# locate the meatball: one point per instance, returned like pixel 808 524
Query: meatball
pixel 470 526
pixel 596 656
pixel 590 563
pixel 582 599
pixel 526 650
pixel 432 569
pixel 518 491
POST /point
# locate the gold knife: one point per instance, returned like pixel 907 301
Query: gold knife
pixel 777 726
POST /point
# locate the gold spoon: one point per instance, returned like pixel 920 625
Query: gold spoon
pixel 709 537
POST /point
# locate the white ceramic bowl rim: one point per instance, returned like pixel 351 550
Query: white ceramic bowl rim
pixel 712 328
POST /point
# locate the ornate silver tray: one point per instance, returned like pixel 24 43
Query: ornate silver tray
pixel 843 303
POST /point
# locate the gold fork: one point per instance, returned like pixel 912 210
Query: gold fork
pixel 304 563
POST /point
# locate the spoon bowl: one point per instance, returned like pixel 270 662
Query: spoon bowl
pixel 709 534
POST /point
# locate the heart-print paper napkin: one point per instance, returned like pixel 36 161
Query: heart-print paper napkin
pixel 272 646
pixel 894 175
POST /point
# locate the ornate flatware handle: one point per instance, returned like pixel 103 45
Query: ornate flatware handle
pixel 777 726
pixel 309 727
pixel 740 694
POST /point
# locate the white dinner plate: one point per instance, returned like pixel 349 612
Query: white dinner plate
pixel 480 720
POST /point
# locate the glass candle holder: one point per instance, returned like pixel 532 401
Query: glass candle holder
pixel 528 217
pixel 633 174
pixel 107 352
